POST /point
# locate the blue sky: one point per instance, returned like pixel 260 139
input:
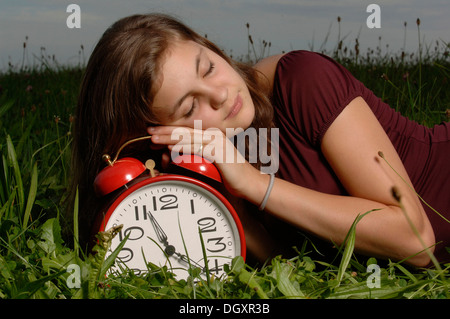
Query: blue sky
pixel 287 24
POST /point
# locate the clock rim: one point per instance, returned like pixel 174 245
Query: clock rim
pixel 169 177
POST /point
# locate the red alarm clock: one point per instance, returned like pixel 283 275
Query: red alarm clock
pixel 166 217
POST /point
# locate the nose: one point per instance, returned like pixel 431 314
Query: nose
pixel 218 95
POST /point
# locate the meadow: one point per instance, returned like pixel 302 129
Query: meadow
pixel 37 103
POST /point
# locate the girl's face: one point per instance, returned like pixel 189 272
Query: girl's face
pixel 197 84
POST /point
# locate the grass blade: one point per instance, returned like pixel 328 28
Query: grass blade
pixel 5 107
pixel 349 243
pixel 12 158
pixel 204 256
pixel 7 206
pixel 31 196
pixel 76 244
pixel 111 258
pixel 281 273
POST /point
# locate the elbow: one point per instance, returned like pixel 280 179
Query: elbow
pixel 419 240
pixel 421 249
pixel 421 259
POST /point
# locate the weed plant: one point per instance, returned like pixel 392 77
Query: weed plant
pixel 36 107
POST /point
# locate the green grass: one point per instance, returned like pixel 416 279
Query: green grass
pixel 36 107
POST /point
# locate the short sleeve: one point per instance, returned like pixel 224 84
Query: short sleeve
pixel 310 91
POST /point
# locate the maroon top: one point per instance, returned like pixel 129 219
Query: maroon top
pixel 310 90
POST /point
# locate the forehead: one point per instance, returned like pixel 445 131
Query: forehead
pixel 180 54
pixel 176 68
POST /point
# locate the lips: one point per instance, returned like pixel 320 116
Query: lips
pixel 237 105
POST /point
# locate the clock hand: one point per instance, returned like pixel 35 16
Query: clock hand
pixel 162 237
pixel 186 260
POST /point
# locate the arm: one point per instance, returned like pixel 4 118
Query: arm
pixel 350 145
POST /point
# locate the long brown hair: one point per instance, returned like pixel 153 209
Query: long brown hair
pixel 115 100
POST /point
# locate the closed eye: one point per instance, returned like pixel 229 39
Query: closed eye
pixel 191 110
pixel 210 69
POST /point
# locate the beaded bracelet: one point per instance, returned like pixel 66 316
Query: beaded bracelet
pixel 269 189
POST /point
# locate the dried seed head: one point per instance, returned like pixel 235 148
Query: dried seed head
pixel 395 193
pixel 418 21
pixel 405 76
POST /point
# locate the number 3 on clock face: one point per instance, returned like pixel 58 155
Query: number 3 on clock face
pixel 165 216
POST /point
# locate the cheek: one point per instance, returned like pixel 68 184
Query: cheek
pixel 248 113
pixel 247 118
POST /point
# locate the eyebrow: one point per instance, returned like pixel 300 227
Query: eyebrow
pixel 197 69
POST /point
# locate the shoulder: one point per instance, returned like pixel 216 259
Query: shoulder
pixel 305 62
pixel 267 68
pixel 313 89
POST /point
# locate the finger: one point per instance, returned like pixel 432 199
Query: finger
pixel 181 136
pixel 179 149
pixel 166 129
pixel 171 135
pixel 165 139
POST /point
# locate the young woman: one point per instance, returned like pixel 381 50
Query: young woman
pixel 150 74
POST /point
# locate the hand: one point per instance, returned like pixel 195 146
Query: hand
pixel 188 260
pixel 162 237
pixel 214 146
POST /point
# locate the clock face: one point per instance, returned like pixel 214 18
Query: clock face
pixel 166 217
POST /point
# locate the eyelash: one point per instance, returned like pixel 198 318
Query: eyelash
pixel 191 110
pixel 211 68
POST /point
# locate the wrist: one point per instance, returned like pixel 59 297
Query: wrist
pixel 262 206
pixel 256 190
